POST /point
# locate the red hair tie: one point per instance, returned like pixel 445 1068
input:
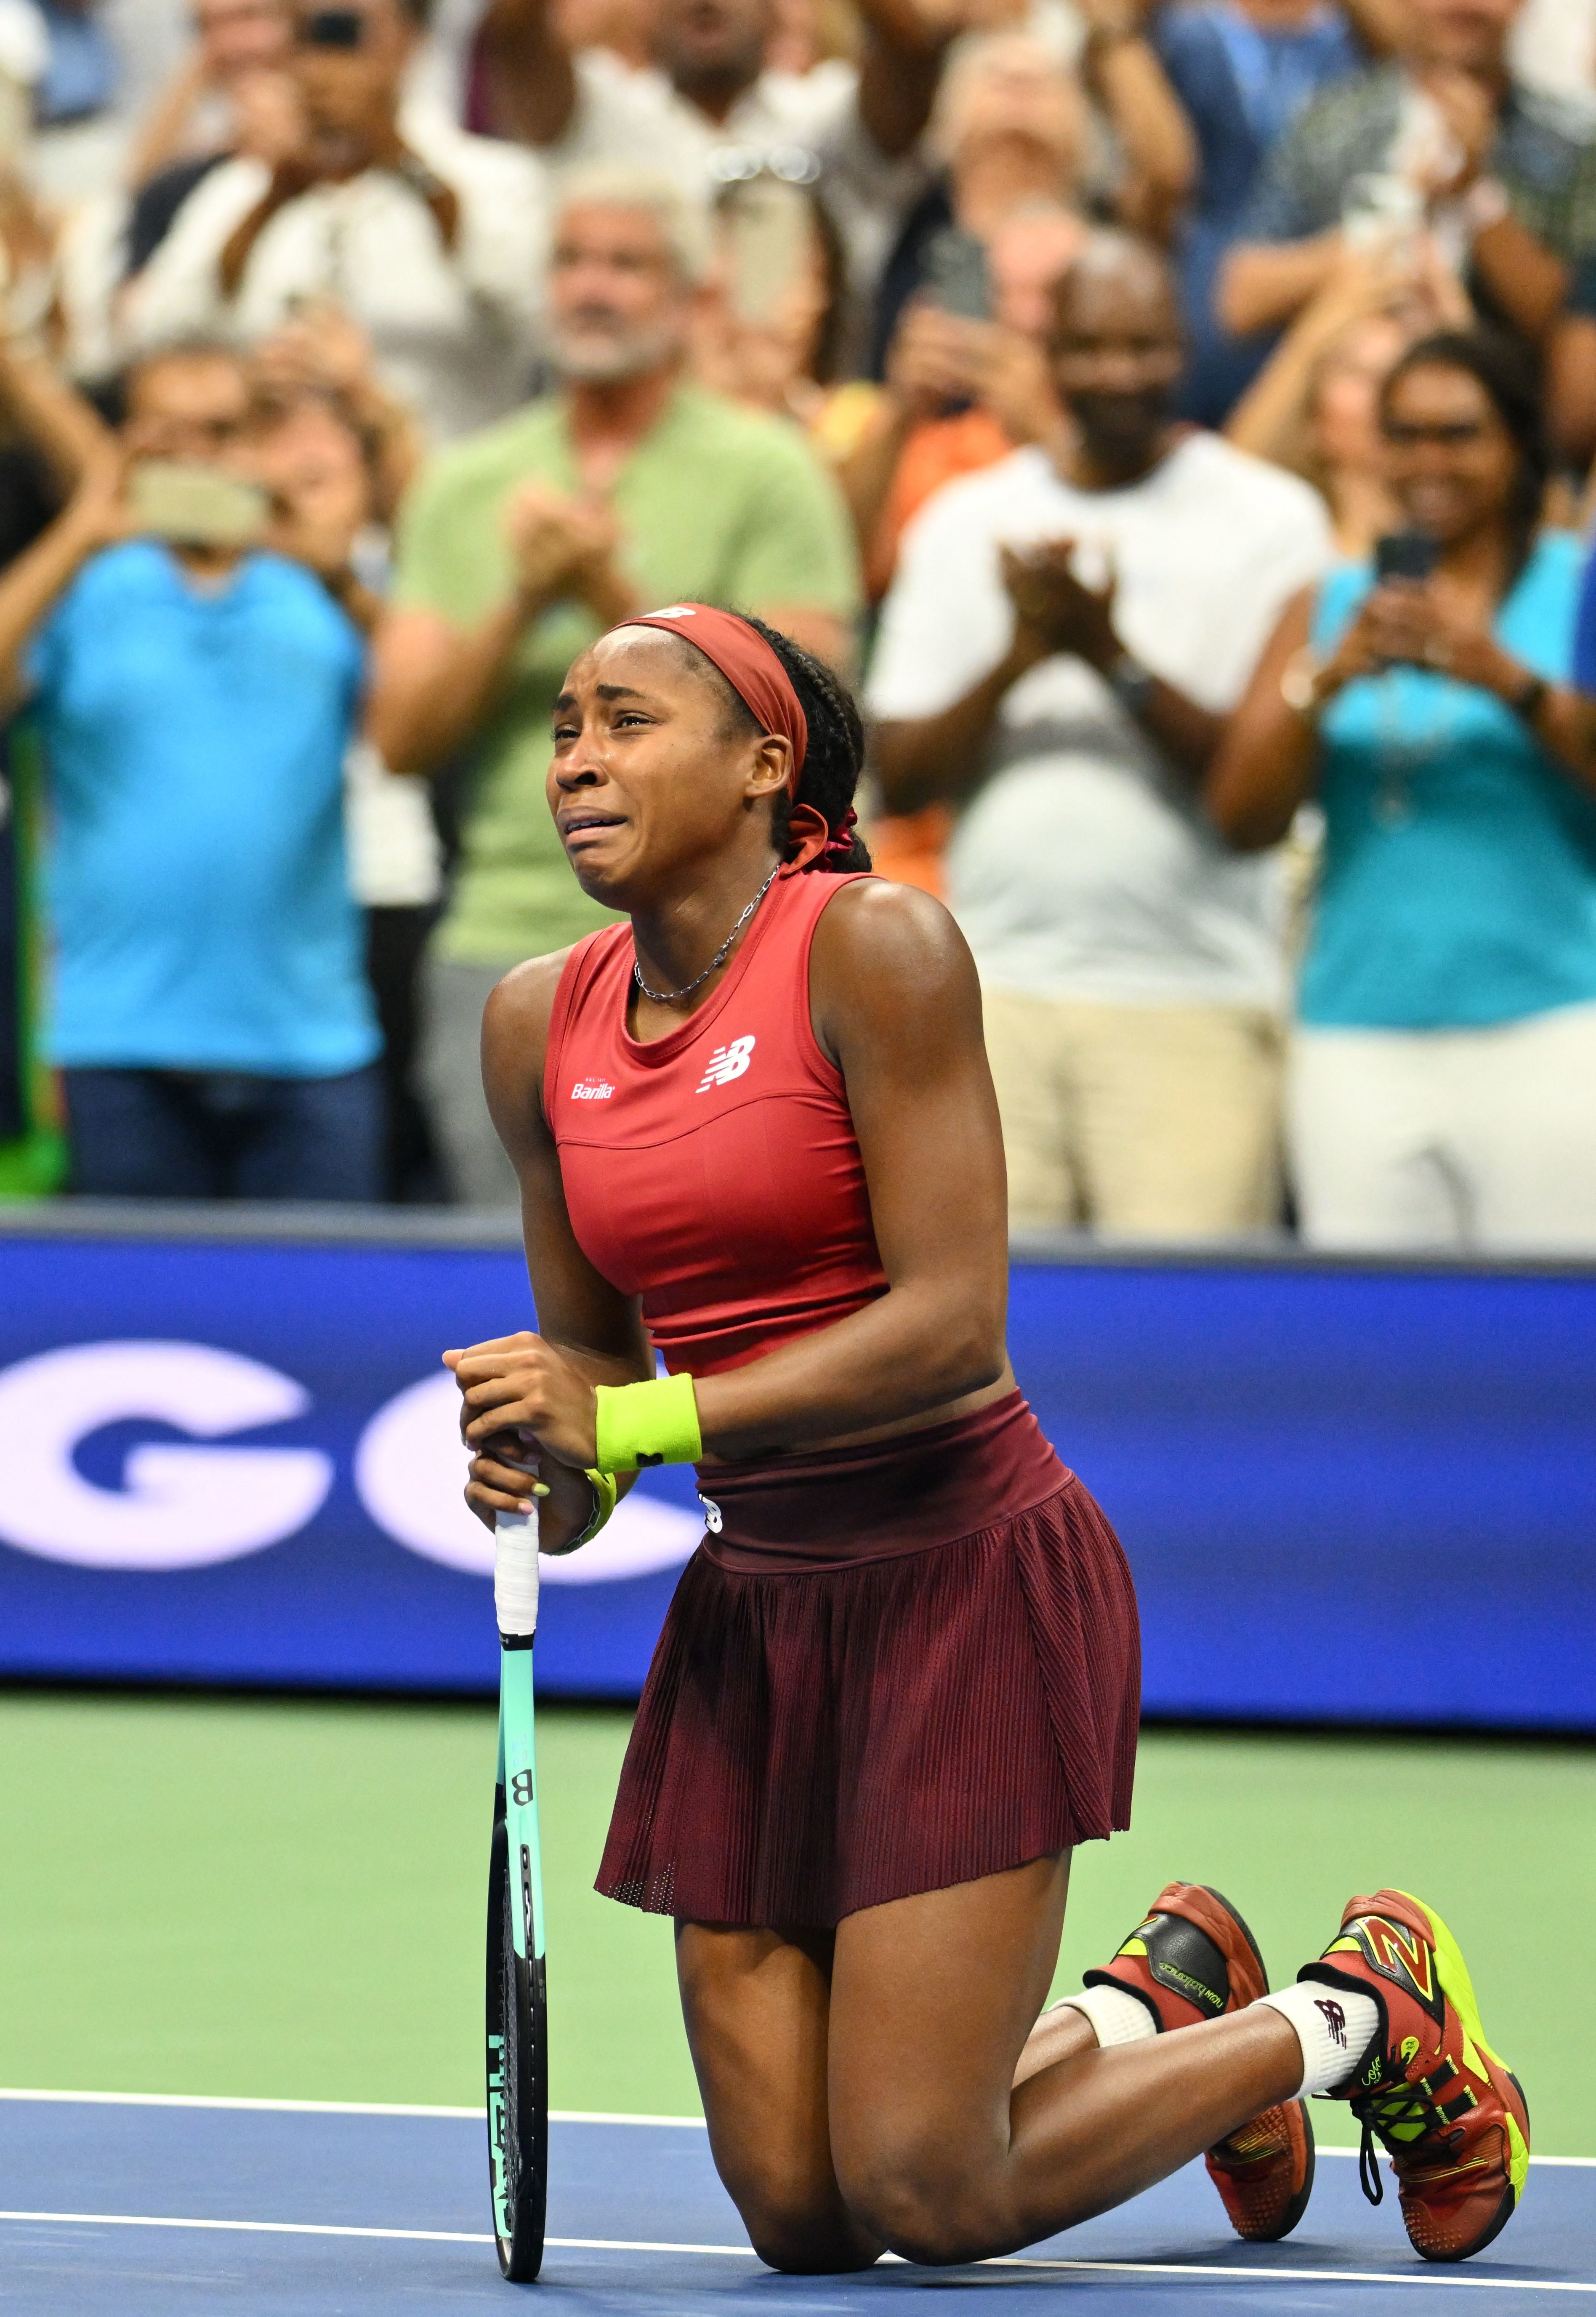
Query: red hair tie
pixel 808 828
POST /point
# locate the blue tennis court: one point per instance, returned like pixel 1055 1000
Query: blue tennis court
pixel 158 2209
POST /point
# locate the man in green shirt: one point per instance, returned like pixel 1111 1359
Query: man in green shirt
pixel 625 489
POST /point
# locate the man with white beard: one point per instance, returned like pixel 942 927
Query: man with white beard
pixel 625 489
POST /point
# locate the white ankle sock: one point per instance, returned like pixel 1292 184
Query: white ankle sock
pixel 1113 2016
pixel 1333 2027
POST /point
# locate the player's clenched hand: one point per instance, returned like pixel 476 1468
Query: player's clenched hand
pixel 509 1475
pixel 521 1383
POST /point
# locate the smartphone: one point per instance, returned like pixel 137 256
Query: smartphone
pixel 1405 555
pixel 333 28
pixel 955 276
pixel 769 234
pixel 196 506
pixel 1379 207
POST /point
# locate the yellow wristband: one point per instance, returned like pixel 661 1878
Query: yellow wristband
pixel 653 1423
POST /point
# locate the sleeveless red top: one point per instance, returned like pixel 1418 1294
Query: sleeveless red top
pixel 713 1172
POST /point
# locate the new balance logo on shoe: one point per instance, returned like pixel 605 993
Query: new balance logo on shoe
pixel 1398 1955
pixel 1335 2020
pixel 592 1090
pixel 725 1064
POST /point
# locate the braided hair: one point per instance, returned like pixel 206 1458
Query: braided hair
pixel 835 758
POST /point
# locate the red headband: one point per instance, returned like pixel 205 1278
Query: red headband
pixel 748 665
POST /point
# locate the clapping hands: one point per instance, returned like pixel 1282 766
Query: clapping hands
pixel 1056 607
pixel 563 546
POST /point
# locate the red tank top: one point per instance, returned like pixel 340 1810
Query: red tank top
pixel 713 1172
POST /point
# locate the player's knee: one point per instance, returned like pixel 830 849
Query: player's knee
pixel 916 2204
pixel 793 2216
pixel 806 2253
pixel 802 2241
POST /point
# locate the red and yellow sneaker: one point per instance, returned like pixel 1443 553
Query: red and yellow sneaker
pixel 1428 2085
pixel 1194 1959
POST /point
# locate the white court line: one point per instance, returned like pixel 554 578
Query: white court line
pixel 250 2228
pixel 335 2229
pixel 1576 2163
pixel 472 2114
pixel 746 2252
pixel 1427 2276
pixel 327 2107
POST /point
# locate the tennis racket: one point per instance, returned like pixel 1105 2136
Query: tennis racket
pixel 517 2009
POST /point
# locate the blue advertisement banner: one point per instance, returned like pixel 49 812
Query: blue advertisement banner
pixel 1347 1494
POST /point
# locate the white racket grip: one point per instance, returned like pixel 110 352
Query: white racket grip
pixel 515 1574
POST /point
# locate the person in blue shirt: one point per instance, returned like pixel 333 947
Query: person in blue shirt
pixel 209 1008
pixel 1443 1077
pixel 81 70
pixel 1585 634
pixel 1243 70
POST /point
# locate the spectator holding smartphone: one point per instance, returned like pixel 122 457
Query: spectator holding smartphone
pixel 1014 125
pixel 231 94
pixel 329 473
pixel 1444 135
pixel 430 241
pixel 769 327
pixel 713 104
pixel 1244 70
pixel 1315 405
pixel 960 393
pixel 1442 1087
pixel 196 693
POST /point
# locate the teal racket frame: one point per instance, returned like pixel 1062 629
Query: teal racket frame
pixel 517 1985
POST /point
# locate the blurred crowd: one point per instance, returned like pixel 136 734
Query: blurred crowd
pixel 1176 415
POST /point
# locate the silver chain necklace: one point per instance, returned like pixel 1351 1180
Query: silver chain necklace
pixel 669 997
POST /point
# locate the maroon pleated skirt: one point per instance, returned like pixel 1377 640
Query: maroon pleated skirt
pixel 885 1670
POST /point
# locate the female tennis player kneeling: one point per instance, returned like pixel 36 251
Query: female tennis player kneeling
pixel 898 1682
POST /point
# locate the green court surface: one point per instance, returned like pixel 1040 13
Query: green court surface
pixel 285 1900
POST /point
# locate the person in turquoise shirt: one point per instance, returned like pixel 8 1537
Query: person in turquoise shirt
pixel 209 1008
pixel 1443 1084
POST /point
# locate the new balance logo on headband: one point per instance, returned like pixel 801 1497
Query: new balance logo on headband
pixel 725 1064
pixel 672 612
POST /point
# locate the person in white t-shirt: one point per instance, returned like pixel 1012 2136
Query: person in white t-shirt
pixel 1065 637
pixel 434 242
pixel 1554 46
pixel 710 111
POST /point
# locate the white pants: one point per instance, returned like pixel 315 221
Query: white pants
pixel 1475 1139
pixel 1161 1122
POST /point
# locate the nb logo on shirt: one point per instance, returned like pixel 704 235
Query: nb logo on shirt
pixel 725 1064
pixel 592 1090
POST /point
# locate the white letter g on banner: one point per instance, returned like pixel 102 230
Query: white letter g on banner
pixel 182 1507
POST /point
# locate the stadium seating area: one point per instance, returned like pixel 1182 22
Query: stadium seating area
pixel 1046 366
